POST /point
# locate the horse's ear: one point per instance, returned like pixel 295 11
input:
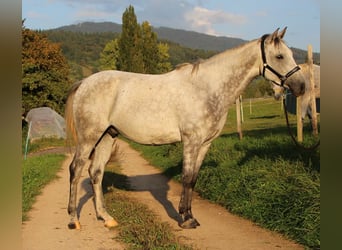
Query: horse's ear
pixel 274 34
pixel 282 33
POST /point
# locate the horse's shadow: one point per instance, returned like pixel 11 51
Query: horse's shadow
pixel 156 184
pixel 85 185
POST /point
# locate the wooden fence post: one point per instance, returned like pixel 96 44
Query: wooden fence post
pixel 241 108
pixel 282 103
pixel 299 119
pixel 238 117
pixel 312 92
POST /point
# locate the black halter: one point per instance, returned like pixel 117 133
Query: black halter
pixel 281 77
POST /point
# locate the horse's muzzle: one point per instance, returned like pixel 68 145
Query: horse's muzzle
pixel 297 89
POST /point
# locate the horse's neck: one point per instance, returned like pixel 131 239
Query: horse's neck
pixel 231 71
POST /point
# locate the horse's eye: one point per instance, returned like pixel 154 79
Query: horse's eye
pixel 280 56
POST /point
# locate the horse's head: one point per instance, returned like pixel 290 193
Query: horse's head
pixel 278 64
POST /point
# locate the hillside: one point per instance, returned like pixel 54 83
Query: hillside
pixel 82 43
pixel 185 38
pixel 92 27
pixel 197 40
pixel 188 39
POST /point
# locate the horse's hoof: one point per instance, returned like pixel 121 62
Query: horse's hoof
pixel 74 225
pixel 111 223
pixel 189 224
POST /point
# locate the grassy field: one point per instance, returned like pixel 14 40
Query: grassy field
pixel 263 177
pixel 39 170
pixel 36 173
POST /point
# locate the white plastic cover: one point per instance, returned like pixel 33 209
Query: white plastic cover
pixel 45 123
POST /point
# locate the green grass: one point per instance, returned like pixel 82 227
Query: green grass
pixel 36 173
pixel 265 180
pixel 262 177
pixel 139 227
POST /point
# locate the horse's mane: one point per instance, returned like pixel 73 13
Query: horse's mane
pixel 182 65
pixel 276 40
pixel 195 65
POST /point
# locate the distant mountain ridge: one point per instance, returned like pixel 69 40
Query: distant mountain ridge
pixel 190 39
pixel 92 27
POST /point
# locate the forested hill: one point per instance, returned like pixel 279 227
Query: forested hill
pixel 188 39
pixel 82 44
pixel 197 40
pixel 185 38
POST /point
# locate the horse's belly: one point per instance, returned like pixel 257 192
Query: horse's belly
pixel 148 131
pixel 153 139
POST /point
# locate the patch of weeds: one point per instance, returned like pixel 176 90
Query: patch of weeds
pixel 138 227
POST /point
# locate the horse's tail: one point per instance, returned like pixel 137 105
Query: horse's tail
pixel 69 115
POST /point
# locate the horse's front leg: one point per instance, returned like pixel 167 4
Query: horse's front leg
pixel 192 159
pixel 185 208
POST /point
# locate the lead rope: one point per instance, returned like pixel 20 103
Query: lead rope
pixel 311 148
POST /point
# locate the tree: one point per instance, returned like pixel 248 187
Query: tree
pixel 163 64
pixel 139 50
pixel 109 56
pixel 149 49
pixel 130 58
pixel 259 87
pixel 45 73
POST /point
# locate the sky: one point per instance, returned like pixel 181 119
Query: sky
pixel 245 19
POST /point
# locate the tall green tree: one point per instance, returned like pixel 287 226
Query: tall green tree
pixel 139 50
pixel 163 64
pixel 45 73
pixel 149 49
pixel 109 56
pixel 259 87
pixel 131 58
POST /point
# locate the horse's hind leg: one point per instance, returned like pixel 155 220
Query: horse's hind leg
pixel 101 156
pixel 75 169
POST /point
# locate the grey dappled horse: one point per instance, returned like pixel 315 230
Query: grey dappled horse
pixel 189 105
pixel 306 98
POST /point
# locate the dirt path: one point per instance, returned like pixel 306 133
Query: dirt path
pixel 47 226
pixel 219 229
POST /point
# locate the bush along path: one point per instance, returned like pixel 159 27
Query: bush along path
pixel 48 219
